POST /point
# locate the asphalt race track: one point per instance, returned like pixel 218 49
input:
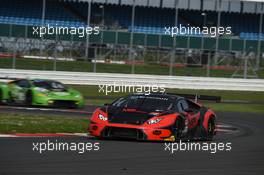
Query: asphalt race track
pixel 131 157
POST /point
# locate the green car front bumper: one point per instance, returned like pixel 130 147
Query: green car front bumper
pixel 40 99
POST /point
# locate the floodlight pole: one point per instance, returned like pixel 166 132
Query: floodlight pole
pixel 208 64
pixel 88 36
pixel 43 21
pixel 43 12
pixel 219 6
pixel 204 15
pixel 132 38
pixel 71 46
pixel 259 37
pixel 172 58
pixel 101 37
pixel 116 42
pixel 55 53
pixel 14 56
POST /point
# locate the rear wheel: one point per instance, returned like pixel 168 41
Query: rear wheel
pixel 1 96
pixel 29 98
pixel 10 99
pixel 210 128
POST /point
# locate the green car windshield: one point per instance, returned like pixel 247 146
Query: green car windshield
pixel 50 85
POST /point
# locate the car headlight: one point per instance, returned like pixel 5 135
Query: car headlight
pixel 78 96
pixel 101 117
pixel 40 94
pixel 154 121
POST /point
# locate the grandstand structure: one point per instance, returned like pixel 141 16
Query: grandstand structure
pixel 136 30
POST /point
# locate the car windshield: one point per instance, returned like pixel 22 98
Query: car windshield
pixel 145 102
pixel 49 85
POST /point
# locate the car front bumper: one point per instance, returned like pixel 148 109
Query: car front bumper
pixel 58 102
pixel 129 131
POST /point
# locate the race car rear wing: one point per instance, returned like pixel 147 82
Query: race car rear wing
pixel 196 97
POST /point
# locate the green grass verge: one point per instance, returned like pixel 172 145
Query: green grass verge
pixel 34 64
pixel 18 123
pixel 244 108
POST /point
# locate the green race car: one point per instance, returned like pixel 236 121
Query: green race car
pixel 39 92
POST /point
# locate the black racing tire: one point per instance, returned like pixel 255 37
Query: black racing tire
pixel 177 129
pixel 100 138
pixel 2 100
pixel 1 96
pixel 210 128
pixel 29 98
pixel 10 100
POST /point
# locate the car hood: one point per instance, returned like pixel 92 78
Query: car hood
pixel 129 116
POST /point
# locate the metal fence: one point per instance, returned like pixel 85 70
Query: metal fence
pixel 132 52
pixel 239 56
pixel 139 39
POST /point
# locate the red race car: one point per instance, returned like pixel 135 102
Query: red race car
pixel 160 117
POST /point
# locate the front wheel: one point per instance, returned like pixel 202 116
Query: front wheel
pixel 3 99
pixel 177 129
